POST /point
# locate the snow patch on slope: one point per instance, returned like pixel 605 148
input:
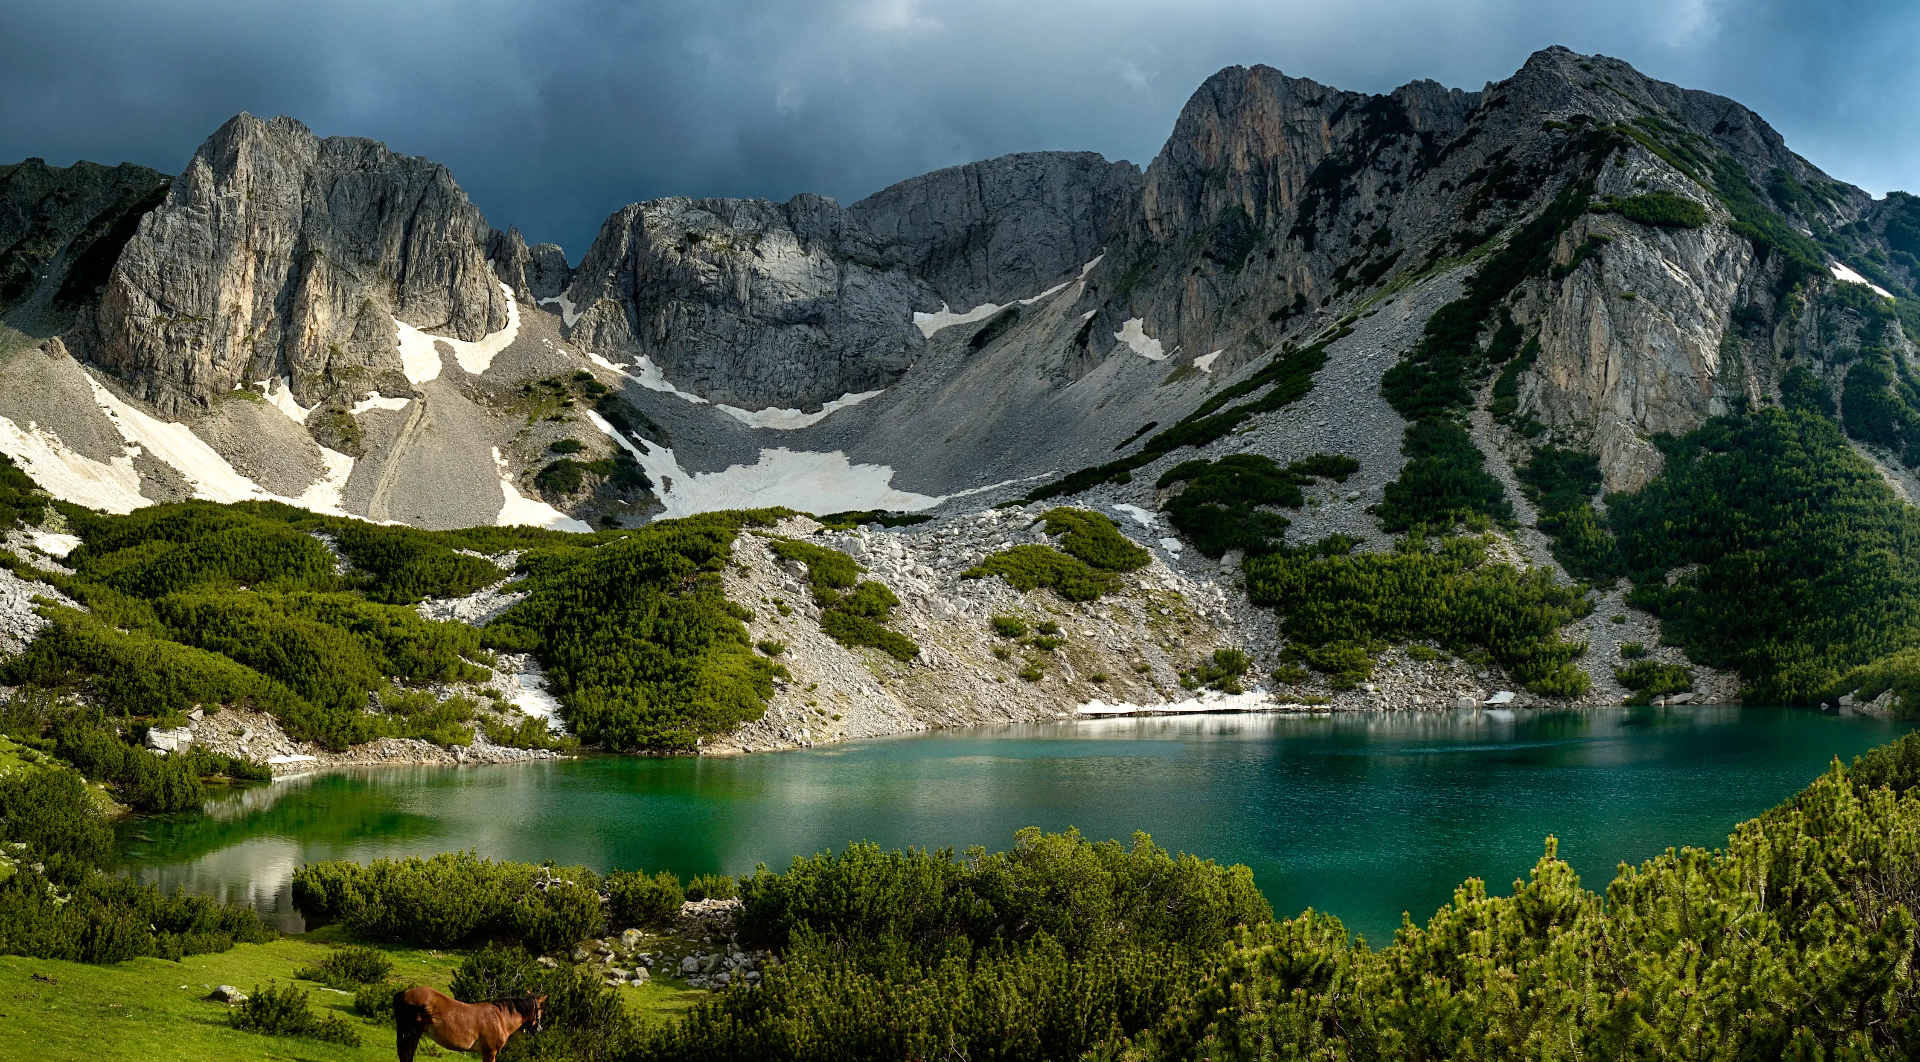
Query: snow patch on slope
pixel 810 482
pixel 515 509
pixel 648 375
pixel 420 359
pixel 568 312
pixel 929 323
pixel 1205 361
pixel 1842 273
pixel 1134 335
pixel 791 419
pixel 206 472
pixel 374 401
pixel 1141 516
pixel 279 392
pixel 109 486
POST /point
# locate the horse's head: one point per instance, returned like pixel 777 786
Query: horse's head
pixel 535 1005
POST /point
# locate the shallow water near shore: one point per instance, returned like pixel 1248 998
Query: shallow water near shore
pixel 1362 815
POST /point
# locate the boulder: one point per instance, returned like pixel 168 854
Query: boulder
pixel 631 939
pixel 1465 701
pixel 227 994
pixel 169 740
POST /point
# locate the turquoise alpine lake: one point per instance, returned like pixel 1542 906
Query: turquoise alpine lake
pixel 1363 815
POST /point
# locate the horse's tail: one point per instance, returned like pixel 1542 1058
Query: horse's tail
pixel 409 1021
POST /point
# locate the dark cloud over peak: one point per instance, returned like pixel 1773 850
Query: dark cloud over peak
pixel 554 114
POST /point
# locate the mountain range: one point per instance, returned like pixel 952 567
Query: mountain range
pixel 1509 311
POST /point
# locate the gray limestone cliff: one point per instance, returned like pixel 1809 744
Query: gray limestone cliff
pixel 749 302
pixel 1006 228
pixel 278 253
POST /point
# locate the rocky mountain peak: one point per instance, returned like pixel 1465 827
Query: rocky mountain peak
pixel 278 253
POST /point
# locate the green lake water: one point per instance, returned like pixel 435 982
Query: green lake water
pixel 1363 815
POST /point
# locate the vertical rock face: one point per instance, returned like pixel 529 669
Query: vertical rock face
pixel 749 302
pixel 1247 139
pixel 61 231
pixel 1005 228
pixel 279 253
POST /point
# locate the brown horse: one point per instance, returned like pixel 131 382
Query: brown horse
pixel 478 1027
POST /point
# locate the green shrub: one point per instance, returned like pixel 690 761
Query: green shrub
pixel 827 569
pixel 770 647
pixel 1222 672
pixel 348 966
pixel 1028 568
pixel 1783 528
pixel 639 642
pixel 1335 608
pixel 450 899
pixel 1091 537
pixel 277 1011
pixel 1444 483
pixel 634 899
pixel 1658 209
pixel 1632 650
pixel 562 476
pixel 1046 643
pixel 856 618
pixel 400 565
pixel 1649 680
pixel 566 446
pixel 1220 509
pixel 713 887
pixel 1008 626
pixel 374 1001
pixel 1291 674
pixel 1562 484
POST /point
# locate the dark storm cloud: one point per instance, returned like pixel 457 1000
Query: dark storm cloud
pixel 554 113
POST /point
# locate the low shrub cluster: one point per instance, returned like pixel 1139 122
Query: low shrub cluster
pixel 70 908
pixel 1561 484
pixel 1223 504
pixel 1338 610
pixel 1042 952
pixel 1648 680
pixel 1031 567
pixel 1223 671
pixel 348 966
pixel 203 605
pixel 1444 483
pixel 640 644
pixel 1801 562
pixel 856 617
pixel 142 780
pixel 634 899
pixel 288 1011
pixel 452 898
pixel 1657 209
pixel 1091 537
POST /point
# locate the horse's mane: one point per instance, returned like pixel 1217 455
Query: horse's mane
pixel 521 1005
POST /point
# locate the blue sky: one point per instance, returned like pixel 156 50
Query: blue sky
pixel 553 114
